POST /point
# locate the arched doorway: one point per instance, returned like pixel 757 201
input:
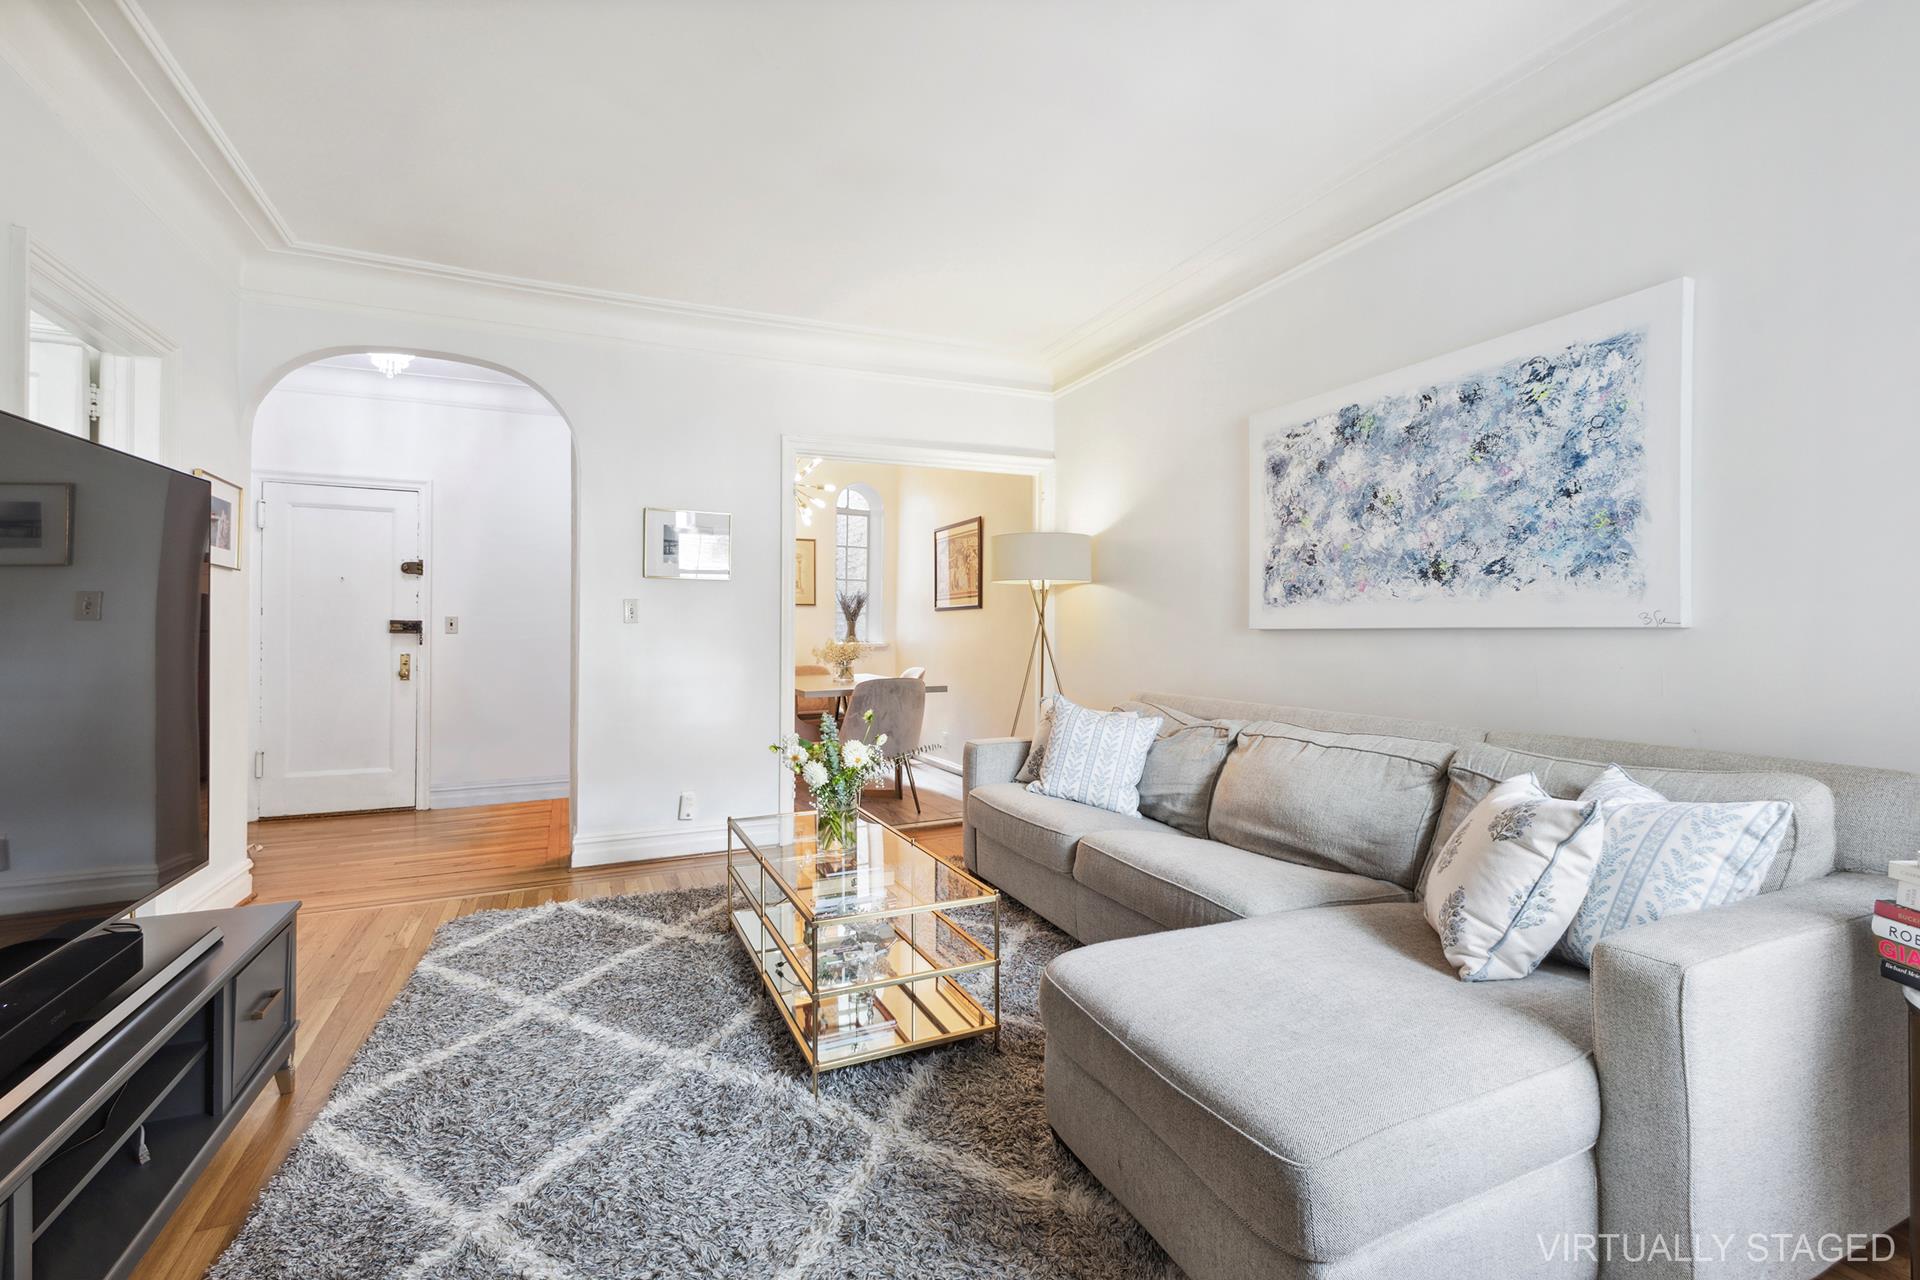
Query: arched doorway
pixel 413 524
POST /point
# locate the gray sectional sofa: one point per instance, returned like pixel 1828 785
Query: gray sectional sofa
pixel 1270 1064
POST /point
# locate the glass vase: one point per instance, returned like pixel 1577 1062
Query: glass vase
pixel 836 822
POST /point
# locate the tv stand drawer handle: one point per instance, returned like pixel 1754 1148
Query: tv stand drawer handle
pixel 267 1002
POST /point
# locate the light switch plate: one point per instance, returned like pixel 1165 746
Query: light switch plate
pixel 88 605
pixel 453 625
pixel 629 610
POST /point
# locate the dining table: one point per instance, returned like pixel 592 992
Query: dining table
pixel 839 690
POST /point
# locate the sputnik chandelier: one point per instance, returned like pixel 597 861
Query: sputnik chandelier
pixel 809 495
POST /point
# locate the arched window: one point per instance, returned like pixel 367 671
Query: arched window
pixel 857 552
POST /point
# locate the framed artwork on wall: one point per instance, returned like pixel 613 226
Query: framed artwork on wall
pixel 687 544
pixel 1536 480
pixel 36 524
pixel 805 567
pixel 957 564
pixel 223 520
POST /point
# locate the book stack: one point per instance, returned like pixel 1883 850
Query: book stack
pixel 1896 929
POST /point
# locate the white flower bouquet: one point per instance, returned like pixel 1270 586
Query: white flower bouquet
pixel 836 771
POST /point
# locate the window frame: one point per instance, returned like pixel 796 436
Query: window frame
pixel 875 517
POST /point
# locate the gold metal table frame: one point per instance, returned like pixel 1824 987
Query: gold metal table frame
pixel 801 912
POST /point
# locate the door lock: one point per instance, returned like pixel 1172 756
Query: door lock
pixel 406 666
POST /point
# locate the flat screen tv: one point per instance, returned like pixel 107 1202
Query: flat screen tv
pixel 103 704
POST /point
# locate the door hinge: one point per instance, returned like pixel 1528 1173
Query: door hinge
pixel 260 513
pixel 259 764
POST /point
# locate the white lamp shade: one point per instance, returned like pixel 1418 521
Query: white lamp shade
pixel 1042 557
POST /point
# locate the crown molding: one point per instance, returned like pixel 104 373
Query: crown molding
pixel 141 51
pixel 409 300
pixel 1125 344
pixel 1546 103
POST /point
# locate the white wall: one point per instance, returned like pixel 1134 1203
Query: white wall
pixel 1784 183
pixel 497 462
pixel 687 699
pixel 66 198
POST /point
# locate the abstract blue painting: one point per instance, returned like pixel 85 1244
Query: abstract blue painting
pixel 1484 497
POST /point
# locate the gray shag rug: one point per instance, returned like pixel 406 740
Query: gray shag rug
pixel 599 1090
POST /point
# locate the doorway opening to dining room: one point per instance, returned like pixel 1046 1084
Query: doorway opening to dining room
pixel 412 544
pixel 890 608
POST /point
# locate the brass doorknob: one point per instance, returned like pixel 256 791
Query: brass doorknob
pixel 406 666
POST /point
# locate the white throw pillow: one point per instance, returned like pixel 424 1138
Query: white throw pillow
pixel 1096 757
pixel 1661 857
pixel 1506 884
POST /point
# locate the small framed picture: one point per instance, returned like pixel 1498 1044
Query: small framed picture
pixel 223 521
pixel 36 524
pixel 687 544
pixel 805 571
pixel 957 564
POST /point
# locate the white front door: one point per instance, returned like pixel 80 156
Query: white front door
pixel 339 690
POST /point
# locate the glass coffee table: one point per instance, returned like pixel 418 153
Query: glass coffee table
pixel 862 949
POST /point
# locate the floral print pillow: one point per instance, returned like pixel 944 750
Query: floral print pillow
pixel 1507 883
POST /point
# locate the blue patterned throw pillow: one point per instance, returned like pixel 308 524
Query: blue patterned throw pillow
pixel 1661 857
pixel 1509 878
pixel 1096 757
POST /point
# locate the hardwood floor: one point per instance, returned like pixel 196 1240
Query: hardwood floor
pixel 374 888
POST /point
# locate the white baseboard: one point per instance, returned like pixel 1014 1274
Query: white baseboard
pixel 464 795
pixel 599 849
pixel 222 891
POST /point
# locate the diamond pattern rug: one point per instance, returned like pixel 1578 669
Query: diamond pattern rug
pixel 600 1090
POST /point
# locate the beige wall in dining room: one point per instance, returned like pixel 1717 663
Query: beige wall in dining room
pixel 977 653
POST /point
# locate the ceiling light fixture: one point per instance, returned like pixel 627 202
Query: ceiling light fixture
pixel 390 363
pixel 809 495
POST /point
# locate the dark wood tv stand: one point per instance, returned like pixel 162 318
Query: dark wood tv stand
pixel 173 1079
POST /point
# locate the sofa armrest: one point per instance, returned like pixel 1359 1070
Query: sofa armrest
pixel 1751 1081
pixel 991 760
pixel 985 760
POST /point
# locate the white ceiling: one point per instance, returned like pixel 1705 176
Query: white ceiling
pixel 1046 178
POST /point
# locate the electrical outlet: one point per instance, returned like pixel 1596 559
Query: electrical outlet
pixel 88 605
pixel 629 610
pixel 686 806
pixel 453 625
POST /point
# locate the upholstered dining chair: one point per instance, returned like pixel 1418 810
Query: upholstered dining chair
pixel 899 707
pixel 914 673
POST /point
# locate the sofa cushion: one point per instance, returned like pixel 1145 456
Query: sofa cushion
pixel 1042 829
pixel 1178 881
pixel 1176 786
pixel 1342 801
pixel 1324 1073
pixel 1807 853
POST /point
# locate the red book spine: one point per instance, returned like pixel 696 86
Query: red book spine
pixel 1899 953
pixel 1894 911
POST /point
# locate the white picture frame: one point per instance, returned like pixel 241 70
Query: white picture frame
pixel 226 520
pixel 679 543
pixel 1317 557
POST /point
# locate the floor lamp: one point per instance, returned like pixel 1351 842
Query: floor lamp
pixel 1042 561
